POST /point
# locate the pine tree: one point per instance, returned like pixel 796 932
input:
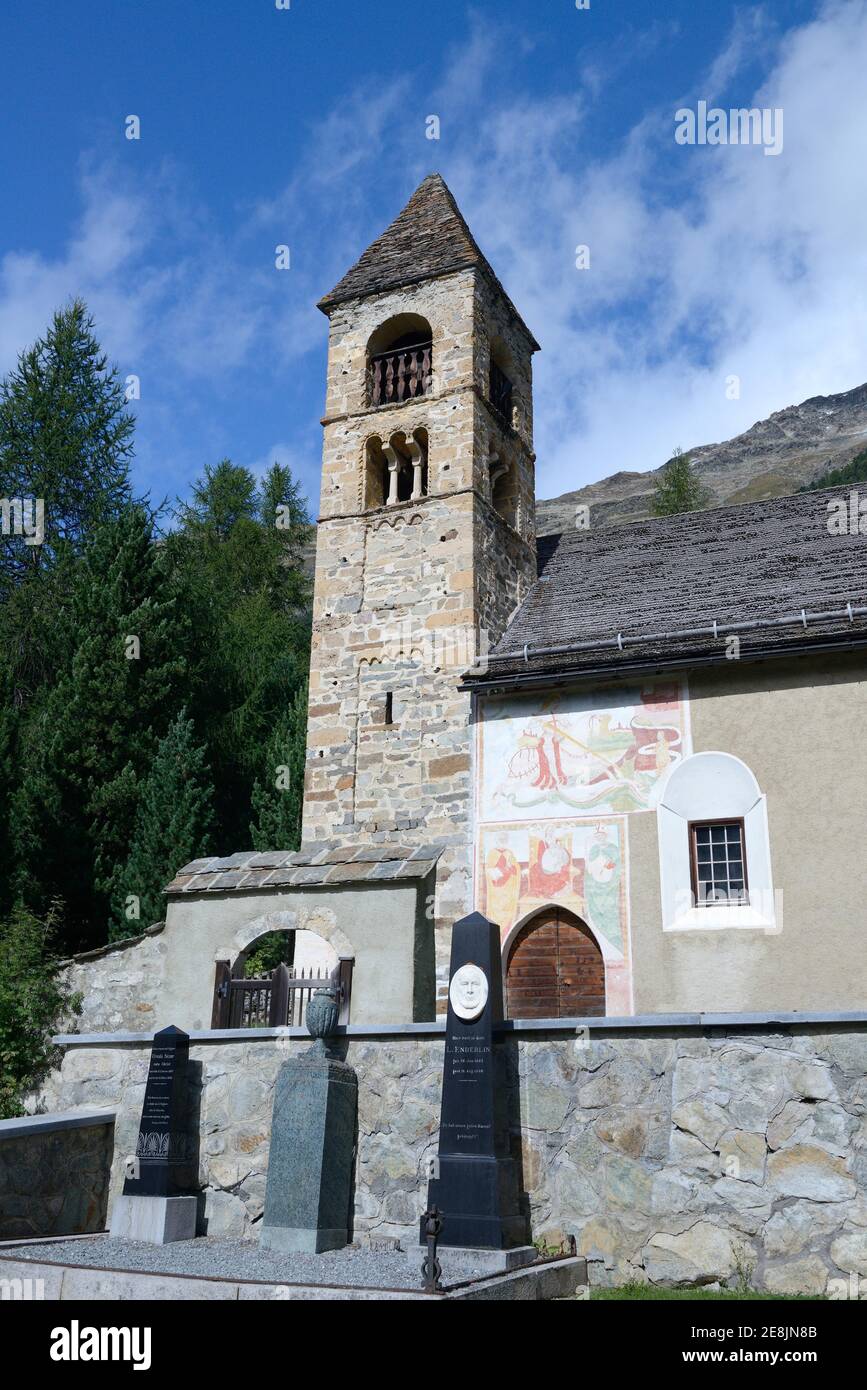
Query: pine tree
pixel 174 823
pixel 855 471
pixel 248 597
pixel 279 790
pixel 91 737
pixel 678 488
pixel 65 447
pixel 65 438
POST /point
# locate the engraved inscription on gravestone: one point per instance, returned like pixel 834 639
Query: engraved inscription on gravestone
pixel 165 1150
pixel 476 1191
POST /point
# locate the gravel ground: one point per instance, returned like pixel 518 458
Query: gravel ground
pixel 210 1257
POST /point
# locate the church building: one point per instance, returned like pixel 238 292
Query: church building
pixel 635 749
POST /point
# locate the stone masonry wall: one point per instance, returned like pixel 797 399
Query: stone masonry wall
pixel 676 1157
pixel 406 595
pixel 118 985
pixel 55 1182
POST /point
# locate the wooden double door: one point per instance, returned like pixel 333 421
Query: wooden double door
pixel 555 969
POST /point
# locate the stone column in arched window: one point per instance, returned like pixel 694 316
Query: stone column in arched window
pixel 416 457
pixel 393 460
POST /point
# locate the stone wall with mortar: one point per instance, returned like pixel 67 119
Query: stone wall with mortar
pixel 680 1155
pixel 406 594
pixel 55 1182
pixel 119 986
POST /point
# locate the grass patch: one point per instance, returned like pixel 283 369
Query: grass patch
pixel 648 1292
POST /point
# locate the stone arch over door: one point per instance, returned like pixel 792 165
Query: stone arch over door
pixel 554 968
pixel 236 947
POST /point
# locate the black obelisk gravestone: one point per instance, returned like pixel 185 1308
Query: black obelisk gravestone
pixel 476 1191
pixel 158 1202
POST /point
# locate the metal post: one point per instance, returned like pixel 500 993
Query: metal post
pixel 431 1269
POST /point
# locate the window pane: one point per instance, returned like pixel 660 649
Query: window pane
pixel 719 863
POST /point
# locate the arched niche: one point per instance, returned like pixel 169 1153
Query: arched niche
pixel 399 360
pixel 713 787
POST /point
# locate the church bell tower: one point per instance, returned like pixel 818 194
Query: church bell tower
pixel 426 534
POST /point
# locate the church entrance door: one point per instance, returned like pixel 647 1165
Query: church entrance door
pixel 555 969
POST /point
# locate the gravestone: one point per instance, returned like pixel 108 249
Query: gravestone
pixel 158 1203
pixel 476 1191
pixel 312 1153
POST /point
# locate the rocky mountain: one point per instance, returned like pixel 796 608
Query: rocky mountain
pixel 774 457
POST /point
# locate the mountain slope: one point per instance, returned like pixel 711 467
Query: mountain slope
pixel 774 457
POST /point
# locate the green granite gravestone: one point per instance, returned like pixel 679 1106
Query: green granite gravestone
pixel 313 1127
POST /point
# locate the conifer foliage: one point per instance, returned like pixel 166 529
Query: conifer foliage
pixel 173 825
pixel 678 488
pixel 152 665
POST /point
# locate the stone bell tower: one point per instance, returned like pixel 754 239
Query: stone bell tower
pixel 426 536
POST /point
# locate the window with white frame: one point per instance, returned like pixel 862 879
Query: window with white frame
pixel 714 851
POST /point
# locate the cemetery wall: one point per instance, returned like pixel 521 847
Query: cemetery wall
pixel 54 1175
pixel 166 976
pixel 119 986
pixel 674 1154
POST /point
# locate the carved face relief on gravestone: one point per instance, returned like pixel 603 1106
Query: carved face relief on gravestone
pixel 468 992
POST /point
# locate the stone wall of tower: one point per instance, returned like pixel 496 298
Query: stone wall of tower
pixel 402 592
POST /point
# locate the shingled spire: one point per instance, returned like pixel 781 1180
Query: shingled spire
pixel 429 238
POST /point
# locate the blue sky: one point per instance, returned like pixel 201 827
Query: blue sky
pixel 307 127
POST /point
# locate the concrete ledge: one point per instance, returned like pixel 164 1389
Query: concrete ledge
pixel 79 1283
pixel 23 1125
pixel 510 1027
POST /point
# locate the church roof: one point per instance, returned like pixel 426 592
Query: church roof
pixel 631 597
pixel 428 239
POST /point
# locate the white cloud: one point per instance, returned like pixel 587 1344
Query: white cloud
pixel 736 264
pixel 705 262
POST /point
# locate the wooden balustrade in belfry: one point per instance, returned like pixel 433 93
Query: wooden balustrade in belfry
pixel 400 376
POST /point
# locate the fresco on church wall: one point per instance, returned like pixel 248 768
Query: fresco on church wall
pixel 557 776
pixel 579 865
pixel 570 753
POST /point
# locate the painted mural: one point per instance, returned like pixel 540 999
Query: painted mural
pixel 579 754
pixel 580 865
pixel 558 775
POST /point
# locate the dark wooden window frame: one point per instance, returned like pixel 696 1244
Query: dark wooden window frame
pixel 694 825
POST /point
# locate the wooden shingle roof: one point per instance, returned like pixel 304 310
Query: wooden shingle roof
pixel 627 596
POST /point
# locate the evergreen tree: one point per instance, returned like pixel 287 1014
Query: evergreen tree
pixel 91 738
pixel 278 793
pixel 678 488
pixel 65 438
pixel 853 472
pixel 173 825
pixel 8 746
pixel 65 446
pixel 248 597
